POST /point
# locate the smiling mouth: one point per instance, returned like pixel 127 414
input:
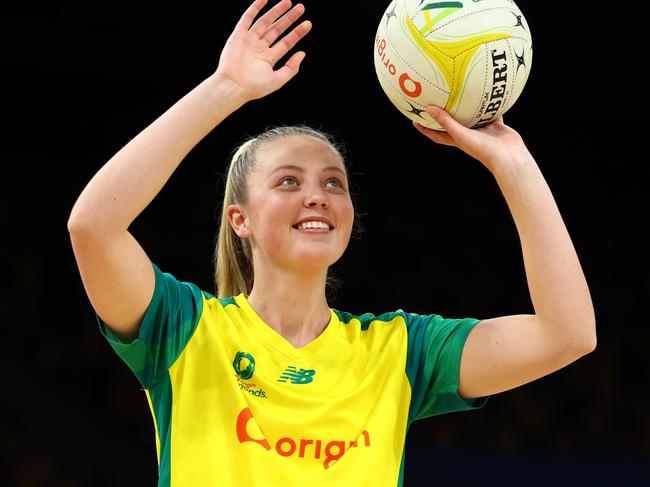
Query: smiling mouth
pixel 314 225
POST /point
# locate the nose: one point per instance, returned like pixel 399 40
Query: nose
pixel 317 198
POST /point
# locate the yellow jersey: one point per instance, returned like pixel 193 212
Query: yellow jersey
pixel 235 404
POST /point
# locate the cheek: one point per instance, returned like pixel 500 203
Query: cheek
pixel 271 231
pixel 274 240
pixel 347 216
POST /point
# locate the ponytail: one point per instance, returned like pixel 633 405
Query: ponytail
pixel 233 260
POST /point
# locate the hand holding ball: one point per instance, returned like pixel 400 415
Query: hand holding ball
pixel 471 58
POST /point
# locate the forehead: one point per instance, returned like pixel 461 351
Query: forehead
pixel 297 150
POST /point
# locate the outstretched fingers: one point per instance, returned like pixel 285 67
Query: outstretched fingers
pixel 278 27
pixel 261 25
pixel 285 44
pixel 249 15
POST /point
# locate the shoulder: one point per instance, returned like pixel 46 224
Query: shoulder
pixel 385 317
pixel 166 280
pixel 389 318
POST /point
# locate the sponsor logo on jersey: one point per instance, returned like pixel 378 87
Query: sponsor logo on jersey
pixel 297 376
pixel 327 450
pixel 252 389
pixel 244 365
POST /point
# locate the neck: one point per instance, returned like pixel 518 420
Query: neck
pixel 291 303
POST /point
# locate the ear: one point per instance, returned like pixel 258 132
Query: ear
pixel 238 221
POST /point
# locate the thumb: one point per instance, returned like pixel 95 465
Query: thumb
pixel 291 67
pixel 446 121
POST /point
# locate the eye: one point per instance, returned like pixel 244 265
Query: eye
pixel 288 181
pixel 334 183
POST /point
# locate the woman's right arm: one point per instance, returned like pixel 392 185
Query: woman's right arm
pixel 116 272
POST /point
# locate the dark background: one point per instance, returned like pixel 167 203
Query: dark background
pixel 80 81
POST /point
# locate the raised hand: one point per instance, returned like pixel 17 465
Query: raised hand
pixel 255 46
pixel 494 144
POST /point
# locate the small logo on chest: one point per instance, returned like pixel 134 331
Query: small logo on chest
pixel 297 376
pixel 244 365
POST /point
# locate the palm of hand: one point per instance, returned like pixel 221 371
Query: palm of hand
pixel 246 60
pixel 255 46
pixel 493 142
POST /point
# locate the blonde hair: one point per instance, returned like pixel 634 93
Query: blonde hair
pixel 233 259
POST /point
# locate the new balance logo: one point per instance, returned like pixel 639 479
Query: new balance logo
pixel 297 376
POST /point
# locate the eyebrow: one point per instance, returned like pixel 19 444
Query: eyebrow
pixel 291 167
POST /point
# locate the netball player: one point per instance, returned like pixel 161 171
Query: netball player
pixel 260 382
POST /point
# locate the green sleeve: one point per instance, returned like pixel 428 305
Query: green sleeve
pixel 435 346
pixel 167 326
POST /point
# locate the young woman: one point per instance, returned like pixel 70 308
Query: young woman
pixel 265 384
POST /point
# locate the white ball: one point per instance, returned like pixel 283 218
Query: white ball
pixel 470 57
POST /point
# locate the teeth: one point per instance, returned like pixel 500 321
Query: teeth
pixel 306 225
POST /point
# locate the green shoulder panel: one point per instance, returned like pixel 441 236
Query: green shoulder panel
pixel 435 346
pixel 167 326
pixel 365 320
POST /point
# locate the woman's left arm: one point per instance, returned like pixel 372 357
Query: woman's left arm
pixel 506 352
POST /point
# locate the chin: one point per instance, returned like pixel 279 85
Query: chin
pixel 315 261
